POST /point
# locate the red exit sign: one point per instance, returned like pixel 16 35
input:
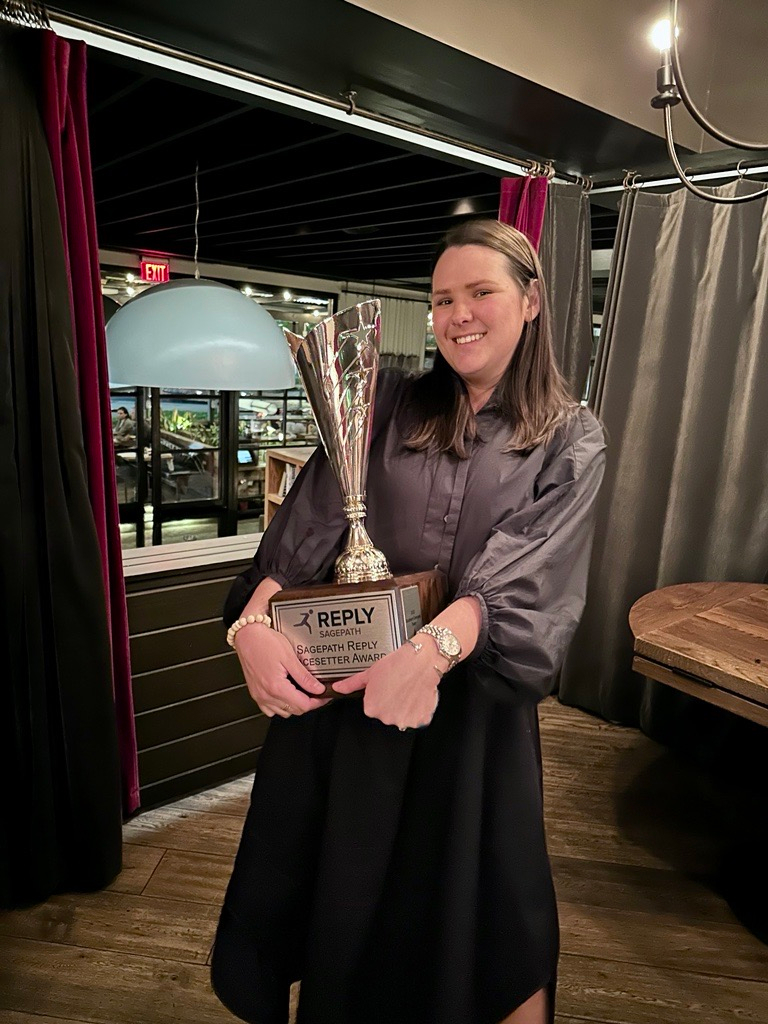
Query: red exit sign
pixel 155 271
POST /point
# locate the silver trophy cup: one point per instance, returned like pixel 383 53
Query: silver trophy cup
pixel 338 362
pixel 345 626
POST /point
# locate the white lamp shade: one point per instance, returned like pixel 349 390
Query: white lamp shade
pixel 200 335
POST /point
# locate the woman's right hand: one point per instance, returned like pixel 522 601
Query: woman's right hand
pixel 268 660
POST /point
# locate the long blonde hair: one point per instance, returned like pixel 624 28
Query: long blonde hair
pixel 533 396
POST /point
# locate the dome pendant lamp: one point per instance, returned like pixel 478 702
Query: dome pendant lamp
pixel 198 335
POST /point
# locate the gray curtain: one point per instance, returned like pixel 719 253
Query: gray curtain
pixel 403 328
pixel 681 385
pixel 565 251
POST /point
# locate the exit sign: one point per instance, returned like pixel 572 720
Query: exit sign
pixel 155 271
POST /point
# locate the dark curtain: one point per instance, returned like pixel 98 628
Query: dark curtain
pixel 522 204
pixel 565 252
pixel 65 117
pixel 60 823
pixel 681 384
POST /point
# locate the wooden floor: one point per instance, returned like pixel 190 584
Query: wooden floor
pixel 634 836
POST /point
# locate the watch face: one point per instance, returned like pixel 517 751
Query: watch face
pixel 451 646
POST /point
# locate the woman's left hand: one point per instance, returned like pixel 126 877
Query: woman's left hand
pixel 400 689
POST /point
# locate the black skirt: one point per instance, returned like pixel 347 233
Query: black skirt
pixel 403 877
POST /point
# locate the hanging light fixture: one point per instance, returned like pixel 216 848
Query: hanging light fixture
pixel 197 334
pixel 671 90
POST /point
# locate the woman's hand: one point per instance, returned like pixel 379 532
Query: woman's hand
pixel 268 659
pixel 400 689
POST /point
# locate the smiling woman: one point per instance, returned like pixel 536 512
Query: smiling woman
pixel 492 328
pixel 479 316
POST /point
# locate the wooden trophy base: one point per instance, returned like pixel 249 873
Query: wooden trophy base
pixel 339 629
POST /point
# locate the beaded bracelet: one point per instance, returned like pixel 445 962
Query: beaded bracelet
pixel 246 620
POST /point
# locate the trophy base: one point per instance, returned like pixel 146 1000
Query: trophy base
pixel 338 629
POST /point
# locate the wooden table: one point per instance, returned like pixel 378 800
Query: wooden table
pixel 709 640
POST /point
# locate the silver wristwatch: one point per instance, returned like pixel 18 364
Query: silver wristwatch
pixel 446 641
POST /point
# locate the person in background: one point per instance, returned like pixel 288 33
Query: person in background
pixel 394 856
pixel 124 430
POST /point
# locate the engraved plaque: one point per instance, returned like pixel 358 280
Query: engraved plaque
pixel 341 628
pixel 337 636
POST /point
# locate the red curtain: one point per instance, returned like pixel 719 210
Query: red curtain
pixel 66 126
pixel 522 204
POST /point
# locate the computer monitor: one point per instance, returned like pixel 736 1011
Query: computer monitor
pixel 244 456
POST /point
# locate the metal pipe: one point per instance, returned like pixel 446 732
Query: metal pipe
pixel 700 193
pixel 726 171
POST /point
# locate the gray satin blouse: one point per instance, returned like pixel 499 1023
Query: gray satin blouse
pixel 512 530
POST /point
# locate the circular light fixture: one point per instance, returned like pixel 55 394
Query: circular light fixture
pixel 197 334
pixel 287 296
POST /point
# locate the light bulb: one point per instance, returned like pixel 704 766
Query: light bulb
pixel 661 35
pixel 247 291
pixel 131 291
pixel 287 296
pixel 130 278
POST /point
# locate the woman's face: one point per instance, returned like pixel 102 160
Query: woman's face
pixel 478 313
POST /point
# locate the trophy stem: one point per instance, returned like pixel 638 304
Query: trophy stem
pixel 360 561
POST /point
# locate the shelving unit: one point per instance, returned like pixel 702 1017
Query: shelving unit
pixel 282 463
pixel 267 420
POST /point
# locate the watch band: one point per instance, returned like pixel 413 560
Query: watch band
pixel 446 640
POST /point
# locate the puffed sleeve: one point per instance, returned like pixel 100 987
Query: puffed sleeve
pixel 530 577
pixel 306 534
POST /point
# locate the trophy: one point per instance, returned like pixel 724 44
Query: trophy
pixel 343 627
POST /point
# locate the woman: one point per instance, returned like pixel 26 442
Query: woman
pixel 394 857
pixel 124 430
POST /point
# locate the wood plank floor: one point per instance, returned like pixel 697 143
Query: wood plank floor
pixel 634 836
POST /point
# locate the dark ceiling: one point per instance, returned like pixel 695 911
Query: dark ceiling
pixel 328 47
pixel 276 192
pixel 287 194
pixel 284 193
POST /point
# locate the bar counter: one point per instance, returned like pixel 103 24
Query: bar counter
pixel 196 725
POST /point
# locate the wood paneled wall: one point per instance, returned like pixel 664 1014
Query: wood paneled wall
pixel 196 724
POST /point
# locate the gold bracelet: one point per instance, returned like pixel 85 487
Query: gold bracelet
pixel 246 620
